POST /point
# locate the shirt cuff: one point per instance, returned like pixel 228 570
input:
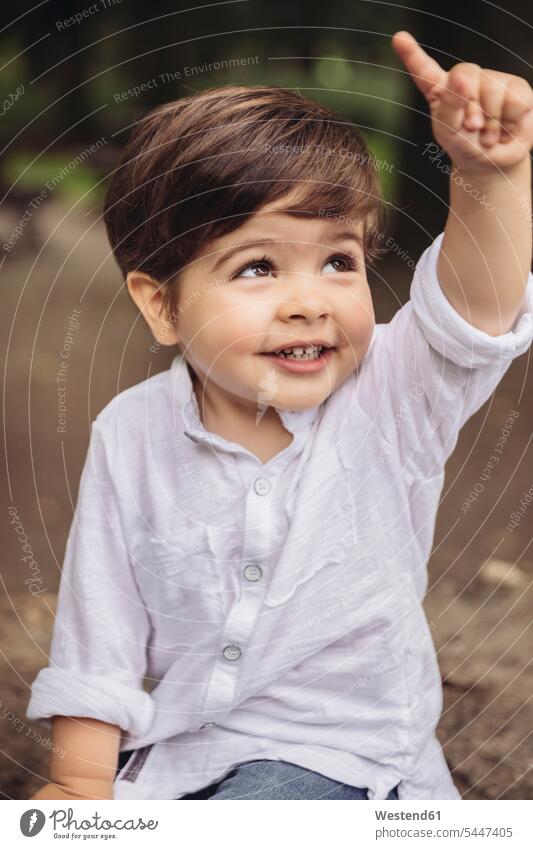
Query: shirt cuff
pixel 450 334
pixel 57 692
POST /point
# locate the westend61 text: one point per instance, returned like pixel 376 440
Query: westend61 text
pixel 407 815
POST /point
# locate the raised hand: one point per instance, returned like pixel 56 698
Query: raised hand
pixel 483 119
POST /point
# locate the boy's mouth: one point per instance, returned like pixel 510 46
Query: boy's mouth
pixel 300 352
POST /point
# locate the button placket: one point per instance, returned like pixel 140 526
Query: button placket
pixel 243 615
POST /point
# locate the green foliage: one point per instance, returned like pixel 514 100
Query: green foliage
pixel 352 73
pixel 69 180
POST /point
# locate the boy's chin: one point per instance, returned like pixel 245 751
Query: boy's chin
pixel 299 401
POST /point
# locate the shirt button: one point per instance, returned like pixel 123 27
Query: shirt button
pixel 206 725
pixel 252 572
pixel 262 486
pixel 232 652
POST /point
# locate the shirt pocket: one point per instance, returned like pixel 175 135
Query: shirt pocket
pixel 332 588
pixel 180 583
pixel 343 617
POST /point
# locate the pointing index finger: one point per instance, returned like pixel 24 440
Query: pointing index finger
pixel 425 71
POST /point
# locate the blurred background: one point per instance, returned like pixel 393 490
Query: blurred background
pixel 75 76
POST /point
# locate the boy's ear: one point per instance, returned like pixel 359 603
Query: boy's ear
pixel 147 294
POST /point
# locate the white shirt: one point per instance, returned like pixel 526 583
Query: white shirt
pixel 275 609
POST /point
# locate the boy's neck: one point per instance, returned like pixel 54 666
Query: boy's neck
pixel 237 422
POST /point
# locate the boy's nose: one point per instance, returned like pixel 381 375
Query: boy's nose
pixel 305 297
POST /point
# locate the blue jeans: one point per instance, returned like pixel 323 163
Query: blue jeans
pixel 266 779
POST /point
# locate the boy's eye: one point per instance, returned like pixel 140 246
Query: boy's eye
pixel 348 262
pixel 262 264
pixel 342 263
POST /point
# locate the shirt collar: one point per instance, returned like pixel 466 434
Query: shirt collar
pixel 297 422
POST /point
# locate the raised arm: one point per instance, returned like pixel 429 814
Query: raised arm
pixel 483 119
pixel 83 760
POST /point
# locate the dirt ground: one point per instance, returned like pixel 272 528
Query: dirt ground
pixel 479 599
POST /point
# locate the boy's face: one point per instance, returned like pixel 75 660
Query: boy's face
pixel 236 306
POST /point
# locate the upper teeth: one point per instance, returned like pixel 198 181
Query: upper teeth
pixel 310 349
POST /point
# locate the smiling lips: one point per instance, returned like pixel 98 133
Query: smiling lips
pixel 299 347
pixel 302 360
pixel 310 352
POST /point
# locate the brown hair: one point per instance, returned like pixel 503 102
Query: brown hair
pixel 193 169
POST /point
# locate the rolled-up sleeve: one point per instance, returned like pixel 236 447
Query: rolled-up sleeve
pixel 98 652
pixel 450 334
pixel 428 370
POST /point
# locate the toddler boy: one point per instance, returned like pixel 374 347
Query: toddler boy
pixel 253 525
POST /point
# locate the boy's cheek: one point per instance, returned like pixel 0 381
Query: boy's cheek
pixel 217 345
pixel 242 329
pixel 359 341
pixel 360 323
pixel 223 337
